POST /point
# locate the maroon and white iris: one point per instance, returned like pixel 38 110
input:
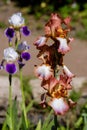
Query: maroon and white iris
pixel 10 56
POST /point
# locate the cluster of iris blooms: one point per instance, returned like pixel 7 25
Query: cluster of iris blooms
pixel 55 76
pixel 16 53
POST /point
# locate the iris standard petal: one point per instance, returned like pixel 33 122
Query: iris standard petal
pixel 16 20
pixel 9 32
pixel 11 68
pixel 25 31
pixel 25 56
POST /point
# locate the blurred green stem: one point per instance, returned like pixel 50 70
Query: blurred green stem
pixel 23 100
pixel 10 102
pixel 55 121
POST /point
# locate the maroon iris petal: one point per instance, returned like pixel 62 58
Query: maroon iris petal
pixel 9 32
pixel 11 68
pixel 25 31
pixel 25 56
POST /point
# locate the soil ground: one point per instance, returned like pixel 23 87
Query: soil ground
pixel 76 59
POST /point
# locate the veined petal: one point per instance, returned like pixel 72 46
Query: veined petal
pixel 25 56
pixel 67 72
pixel 11 68
pixel 9 32
pixel 40 41
pixel 63 47
pixel 25 31
pixel 59 105
pixel 44 71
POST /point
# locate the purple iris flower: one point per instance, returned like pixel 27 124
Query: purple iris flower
pixel 25 56
pixel 10 33
pixel 25 31
pixel 11 68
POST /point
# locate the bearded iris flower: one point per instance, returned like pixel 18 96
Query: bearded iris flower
pixel 10 57
pixel 56 84
pixel 16 22
pixel 22 49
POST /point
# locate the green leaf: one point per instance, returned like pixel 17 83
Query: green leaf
pixel 46 122
pixel 50 125
pixel 85 127
pixel 29 106
pixel 15 114
pixel 38 125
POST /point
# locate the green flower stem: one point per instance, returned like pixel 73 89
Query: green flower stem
pixel 55 122
pixel 23 100
pixel 10 102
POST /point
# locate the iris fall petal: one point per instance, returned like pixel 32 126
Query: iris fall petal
pixel 25 31
pixel 11 68
pixel 63 47
pixel 59 106
pixel 25 56
pixel 9 32
pixel 44 72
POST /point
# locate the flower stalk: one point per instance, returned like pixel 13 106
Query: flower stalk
pixel 23 100
pixel 10 102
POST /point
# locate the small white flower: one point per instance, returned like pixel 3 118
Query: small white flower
pixel 16 20
pixel 10 55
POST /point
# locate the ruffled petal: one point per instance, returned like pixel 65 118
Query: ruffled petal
pixel 10 55
pixel 40 41
pixel 25 31
pixel 16 20
pixel 44 72
pixel 63 47
pixel 25 56
pixel 9 32
pixel 11 68
pixel 59 106
pixel 67 72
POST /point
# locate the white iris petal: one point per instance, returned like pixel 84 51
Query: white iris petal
pixel 63 47
pixel 16 20
pixel 10 54
pixel 59 105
